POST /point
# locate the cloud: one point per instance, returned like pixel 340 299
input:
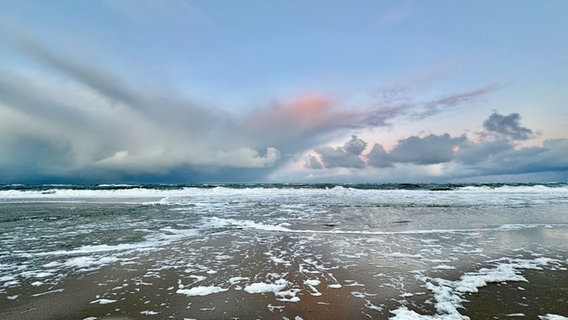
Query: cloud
pixel 30 153
pixel 455 157
pixel 378 157
pixel 305 119
pixel 338 158
pixel 507 127
pixel 355 146
pixel 438 105
pixel 552 156
pixel 431 149
pixel 428 150
pixel 112 126
pixel 83 119
pixel 245 158
pixel 347 156
pixel 312 162
pixel 471 153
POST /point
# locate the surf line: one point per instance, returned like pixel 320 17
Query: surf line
pixel 502 228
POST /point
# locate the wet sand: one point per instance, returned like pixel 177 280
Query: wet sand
pixel 134 296
pixel 119 292
pixel 546 292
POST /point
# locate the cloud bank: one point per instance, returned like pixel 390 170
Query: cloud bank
pixel 442 156
pixel 80 122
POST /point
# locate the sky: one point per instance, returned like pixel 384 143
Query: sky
pixel 151 91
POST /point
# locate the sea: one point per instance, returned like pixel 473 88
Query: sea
pixel 284 251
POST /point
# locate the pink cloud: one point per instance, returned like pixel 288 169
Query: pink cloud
pixel 302 113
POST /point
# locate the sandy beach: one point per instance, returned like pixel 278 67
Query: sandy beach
pixel 140 292
pixel 81 298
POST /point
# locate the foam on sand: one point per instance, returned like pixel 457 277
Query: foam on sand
pixel 103 301
pixel 277 288
pixel 311 284
pixel 201 291
pixel 552 317
pixel 261 287
pixel 449 294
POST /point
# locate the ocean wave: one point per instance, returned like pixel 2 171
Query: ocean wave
pixel 409 194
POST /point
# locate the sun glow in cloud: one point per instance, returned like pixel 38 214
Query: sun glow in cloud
pixel 309 110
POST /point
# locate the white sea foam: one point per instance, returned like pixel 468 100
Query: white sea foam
pixel 197 278
pixel 311 284
pixel 215 222
pixel 89 262
pixel 187 195
pixel 100 248
pixel 7 278
pixel 61 194
pixel 235 280
pixel 201 291
pixel 514 189
pixel 271 307
pixel 149 312
pixel 314 282
pixel 289 295
pixel 262 287
pixel 550 316
pixel 448 294
pixel 444 267
pixel 103 301
pixel 47 292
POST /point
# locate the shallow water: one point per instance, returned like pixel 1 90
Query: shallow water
pixel 379 251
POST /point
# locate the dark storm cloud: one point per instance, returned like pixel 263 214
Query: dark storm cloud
pixel 32 154
pixel 507 126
